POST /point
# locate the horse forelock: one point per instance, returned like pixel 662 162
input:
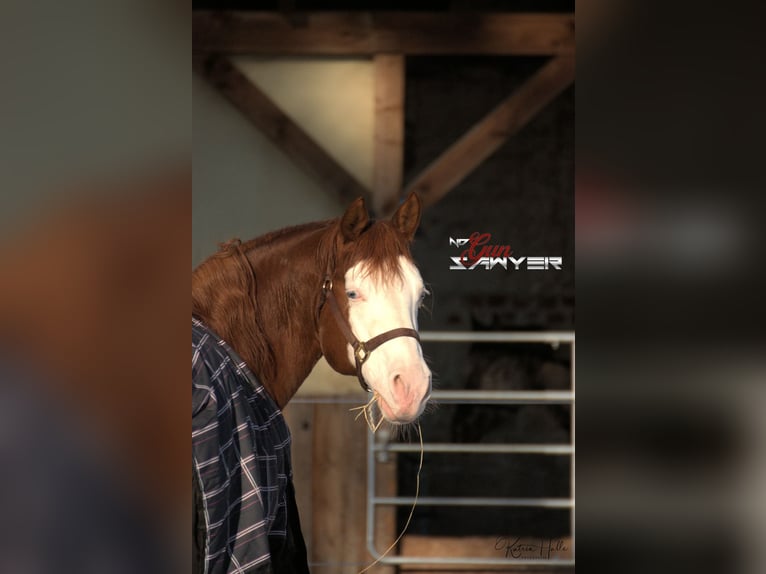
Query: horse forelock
pixel 378 249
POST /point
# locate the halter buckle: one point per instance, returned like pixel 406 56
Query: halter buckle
pixel 327 285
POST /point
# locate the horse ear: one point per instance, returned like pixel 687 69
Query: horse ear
pixel 355 220
pixel 407 218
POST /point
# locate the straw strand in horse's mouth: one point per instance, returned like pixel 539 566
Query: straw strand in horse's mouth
pixel 368 410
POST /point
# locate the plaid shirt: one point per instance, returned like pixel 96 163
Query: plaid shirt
pixel 241 466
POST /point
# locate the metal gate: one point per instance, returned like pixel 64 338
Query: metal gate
pixel 378 451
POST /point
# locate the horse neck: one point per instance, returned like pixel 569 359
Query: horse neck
pixel 283 346
pixel 289 285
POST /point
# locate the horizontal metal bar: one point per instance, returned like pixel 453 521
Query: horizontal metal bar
pixel 456 396
pixel 553 563
pixel 478 448
pixel 518 397
pixel 550 337
pixel 472 501
pixel 353 399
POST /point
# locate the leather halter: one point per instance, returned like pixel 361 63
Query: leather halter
pixel 362 349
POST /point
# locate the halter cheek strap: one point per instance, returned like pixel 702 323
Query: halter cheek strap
pixel 362 349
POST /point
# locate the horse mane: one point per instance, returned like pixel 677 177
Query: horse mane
pixel 224 296
pixel 284 233
pixel 225 285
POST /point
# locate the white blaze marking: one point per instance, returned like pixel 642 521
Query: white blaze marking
pixel 383 304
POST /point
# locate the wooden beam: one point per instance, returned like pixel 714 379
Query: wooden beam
pixel 287 8
pixel 366 33
pixel 388 153
pixel 280 128
pixel 492 131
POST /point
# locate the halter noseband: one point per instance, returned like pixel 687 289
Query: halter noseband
pixel 362 349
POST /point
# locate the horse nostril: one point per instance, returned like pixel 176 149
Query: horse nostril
pixel 400 387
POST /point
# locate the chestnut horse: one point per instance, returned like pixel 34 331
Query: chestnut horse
pixel 265 311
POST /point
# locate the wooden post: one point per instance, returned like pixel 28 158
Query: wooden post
pixel 339 485
pixel 389 132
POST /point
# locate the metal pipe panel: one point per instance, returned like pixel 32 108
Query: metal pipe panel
pixel 558 449
pixel 553 338
pixel 472 501
pixel 550 337
pixel 503 397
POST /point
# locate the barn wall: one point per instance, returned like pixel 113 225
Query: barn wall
pixel 243 185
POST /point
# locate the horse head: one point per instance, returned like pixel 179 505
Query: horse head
pixel 368 308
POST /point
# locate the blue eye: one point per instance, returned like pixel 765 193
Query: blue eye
pixel 352 295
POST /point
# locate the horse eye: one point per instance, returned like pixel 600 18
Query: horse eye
pixel 352 295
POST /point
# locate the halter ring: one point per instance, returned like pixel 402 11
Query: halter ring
pixel 361 353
